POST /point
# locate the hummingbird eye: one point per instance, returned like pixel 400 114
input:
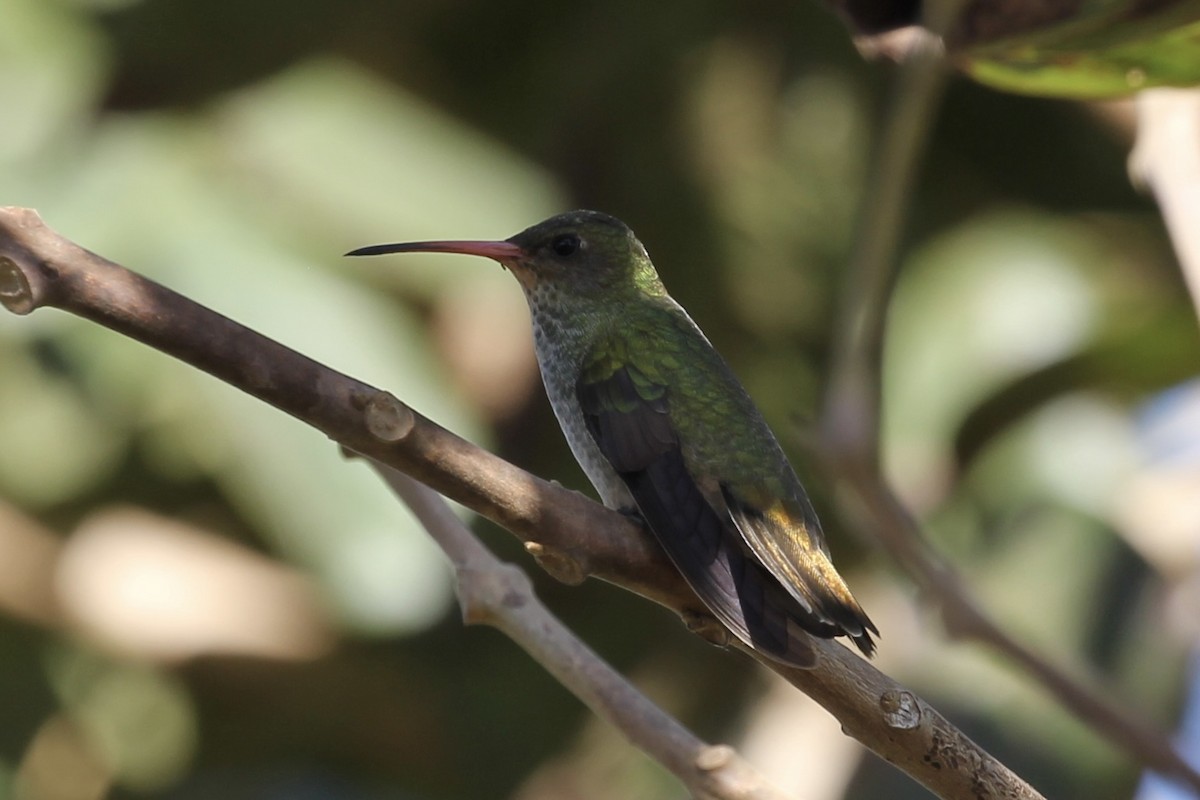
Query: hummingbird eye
pixel 566 244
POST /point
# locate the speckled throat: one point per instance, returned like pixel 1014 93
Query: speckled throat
pixel 561 341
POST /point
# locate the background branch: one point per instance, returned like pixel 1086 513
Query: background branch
pixel 850 423
pixel 1166 158
pixel 579 537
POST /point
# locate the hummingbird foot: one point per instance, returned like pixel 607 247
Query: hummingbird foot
pixel 707 627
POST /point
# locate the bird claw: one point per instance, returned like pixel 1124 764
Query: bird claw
pixel 707 627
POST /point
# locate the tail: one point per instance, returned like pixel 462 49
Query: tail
pixel 785 543
pixel 779 620
pixel 832 607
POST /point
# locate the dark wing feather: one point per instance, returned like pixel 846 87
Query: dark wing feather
pixel 628 418
pixel 788 538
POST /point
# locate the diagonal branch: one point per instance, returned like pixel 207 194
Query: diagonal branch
pixel 570 535
pixel 497 594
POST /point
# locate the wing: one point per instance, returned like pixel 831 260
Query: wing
pixel 628 416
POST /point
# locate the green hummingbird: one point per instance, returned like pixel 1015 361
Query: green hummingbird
pixel 664 430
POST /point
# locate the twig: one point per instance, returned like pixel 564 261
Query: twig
pixel 500 595
pixel 965 619
pixel 850 416
pixel 849 431
pixel 574 537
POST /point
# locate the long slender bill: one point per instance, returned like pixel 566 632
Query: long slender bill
pixel 499 251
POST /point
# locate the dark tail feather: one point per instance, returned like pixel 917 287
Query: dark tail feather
pixel 794 558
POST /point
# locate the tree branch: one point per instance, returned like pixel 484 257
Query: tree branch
pixel 500 595
pixel 570 535
pixel 849 432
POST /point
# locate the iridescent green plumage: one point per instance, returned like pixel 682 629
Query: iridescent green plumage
pixel 660 425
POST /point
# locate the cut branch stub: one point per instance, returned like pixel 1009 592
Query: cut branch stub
pixel 388 419
pixel 901 709
pixel 15 293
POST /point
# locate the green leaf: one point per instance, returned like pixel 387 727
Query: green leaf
pixel 1108 49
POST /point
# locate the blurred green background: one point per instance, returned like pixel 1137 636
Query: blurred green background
pixel 200 599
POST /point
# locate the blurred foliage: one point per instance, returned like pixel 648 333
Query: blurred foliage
pixel 1079 49
pixel 1103 49
pixel 233 150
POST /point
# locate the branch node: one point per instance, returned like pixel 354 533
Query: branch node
pixel 564 567
pixel 714 757
pixel 15 292
pixel 901 709
pixel 360 396
pixel 388 419
pixel 483 592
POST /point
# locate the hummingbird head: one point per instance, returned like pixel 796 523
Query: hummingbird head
pixel 579 254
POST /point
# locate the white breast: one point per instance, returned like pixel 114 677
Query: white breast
pixel 560 349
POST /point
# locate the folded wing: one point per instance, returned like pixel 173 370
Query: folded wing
pixel 720 540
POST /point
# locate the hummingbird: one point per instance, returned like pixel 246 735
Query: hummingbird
pixel 666 433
